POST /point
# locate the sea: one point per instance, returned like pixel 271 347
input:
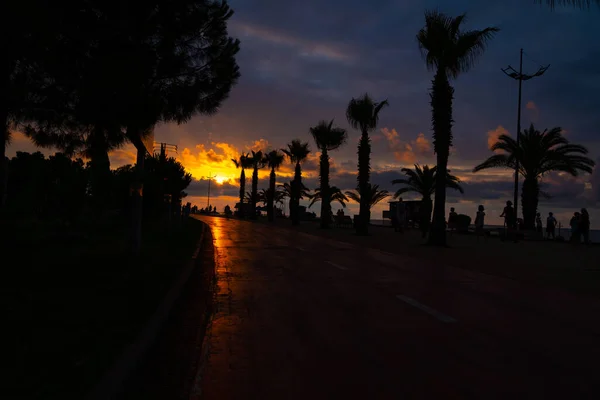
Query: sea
pixel 565 232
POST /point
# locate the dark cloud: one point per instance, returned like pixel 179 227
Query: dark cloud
pixel 199 188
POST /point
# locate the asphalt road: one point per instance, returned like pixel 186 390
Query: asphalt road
pixel 299 316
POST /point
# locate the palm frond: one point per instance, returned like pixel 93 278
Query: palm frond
pixel 274 159
pixel 297 151
pixel 470 46
pixel 374 195
pixel 353 195
pixel 335 193
pixel 444 45
pixel 406 189
pixel 328 137
pixel 495 161
pixel 363 112
pixel 540 153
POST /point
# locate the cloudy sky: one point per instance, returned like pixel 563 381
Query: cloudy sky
pixel 302 62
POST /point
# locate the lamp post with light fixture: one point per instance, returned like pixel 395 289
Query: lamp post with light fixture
pixel 512 73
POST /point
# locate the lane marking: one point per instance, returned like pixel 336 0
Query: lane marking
pixel 337 266
pixel 428 310
pixel 300 248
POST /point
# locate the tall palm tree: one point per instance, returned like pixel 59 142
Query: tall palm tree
pixel 297 152
pixel 257 159
pixel 327 138
pixel 374 195
pixel 335 194
pixel 363 113
pixel 274 160
pixel 449 51
pixel 538 153
pixel 243 162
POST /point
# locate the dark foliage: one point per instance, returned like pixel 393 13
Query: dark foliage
pixel 58 187
pixel 126 67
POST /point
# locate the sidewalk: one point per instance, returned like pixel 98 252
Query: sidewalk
pixel 538 263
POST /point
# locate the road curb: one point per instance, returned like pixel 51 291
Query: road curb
pixel 113 380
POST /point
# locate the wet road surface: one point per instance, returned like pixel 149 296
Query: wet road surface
pixel 300 316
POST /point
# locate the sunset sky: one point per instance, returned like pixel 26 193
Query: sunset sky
pixel 303 61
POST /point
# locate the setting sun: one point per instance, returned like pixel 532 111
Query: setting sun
pixel 220 179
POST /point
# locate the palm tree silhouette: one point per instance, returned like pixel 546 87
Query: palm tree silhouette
pixel 449 51
pixel 274 160
pixel 335 194
pixel 327 138
pixel 286 192
pixel 374 195
pixel 297 152
pixel 363 114
pixel 257 159
pixel 243 162
pixel 263 196
pixel 538 153
pixel 422 181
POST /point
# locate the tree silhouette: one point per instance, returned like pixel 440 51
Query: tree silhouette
pixel 373 195
pixel 538 153
pixel 288 192
pixel 169 177
pixel 258 161
pixel 243 162
pixel 363 113
pixel 163 61
pixel 335 195
pixel 54 187
pixel 297 152
pixel 422 181
pixel 33 59
pixel 327 138
pixel 449 51
pixel 274 159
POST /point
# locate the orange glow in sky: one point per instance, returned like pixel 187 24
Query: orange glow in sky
pixel 220 179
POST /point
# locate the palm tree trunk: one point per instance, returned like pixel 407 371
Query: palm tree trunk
pixel 441 104
pixel 529 202
pixel 425 215
pixel 271 196
pixel 254 191
pixel 364 169
pixel 325 190
pixel 242 192
pixel 99 169
pixel 296 188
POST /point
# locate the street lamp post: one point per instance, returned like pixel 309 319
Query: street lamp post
pixel 512 73
pixel 209 178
